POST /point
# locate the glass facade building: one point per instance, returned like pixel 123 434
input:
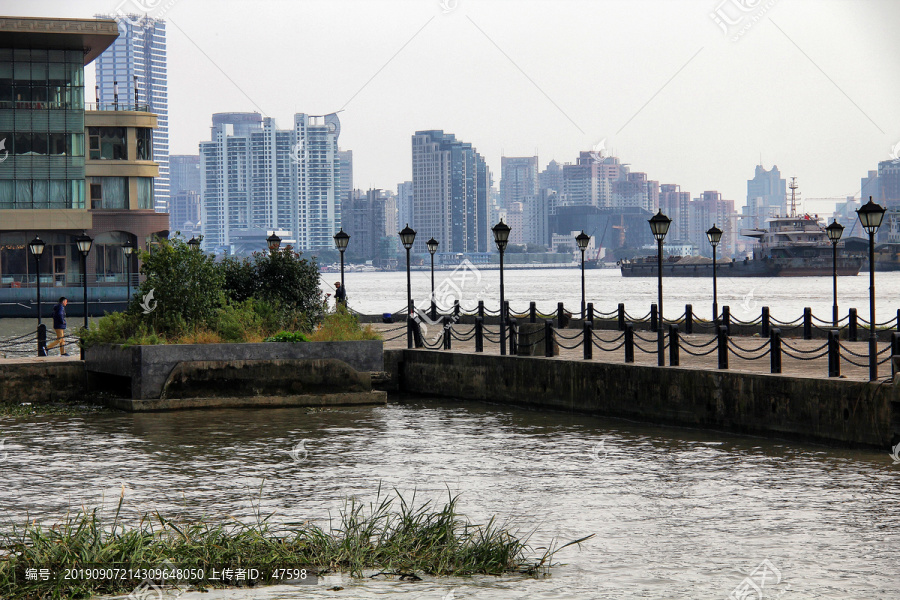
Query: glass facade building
pixel 41 128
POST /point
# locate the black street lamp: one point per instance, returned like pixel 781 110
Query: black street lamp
pixel 129 250
pixel 273 242
pixel 407 238
pixel 341 239
pixel 84 242
pixel 194 243
pixel 834 231
pixel 870 216
pixel 37 249
pixel 659 225
pixel 714 235
pixel 582 239
pixel 501 238
pixel 432 245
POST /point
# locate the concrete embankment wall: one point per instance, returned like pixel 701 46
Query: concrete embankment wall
pixel 820 410
pixel 41 382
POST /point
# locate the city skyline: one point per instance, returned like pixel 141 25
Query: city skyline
pixel 699 114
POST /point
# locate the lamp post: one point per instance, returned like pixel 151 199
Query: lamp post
pixel 341 239
pixel 432 245
pixel 129 250
pixel 194 243
pixel 870 216
pixel 84 242
pixel 714 235
pixel 659 225
pixel 273 242
pixel 407 237
pixel 37 249
pixel 501 238
pixel 582 239
pixel 834 231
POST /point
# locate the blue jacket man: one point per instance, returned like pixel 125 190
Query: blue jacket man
pixel 59 326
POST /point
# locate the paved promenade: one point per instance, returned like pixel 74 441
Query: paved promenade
pixel 745 346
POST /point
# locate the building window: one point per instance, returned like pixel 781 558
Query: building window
pixel 145 192
pixel 108 143
pixel 144 143
pixel 109 193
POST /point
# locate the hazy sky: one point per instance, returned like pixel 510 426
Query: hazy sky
pixel 812 85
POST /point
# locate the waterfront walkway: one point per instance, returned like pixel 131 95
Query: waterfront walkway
pixel 746 354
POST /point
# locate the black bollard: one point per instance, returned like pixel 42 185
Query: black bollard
pixel 723 347
pixel 807 323
pixel 532 312
pixel 765 322
pixel 588 340
pixel 834 353
pixel 688 319
pixel 479 334
pixel 514 337
pixel 851 325
pixel 653 317
pixel 561 320
pixel 673 345
pixel 456 308
pixel 629 343
pixel 590 312
pixel 42 340
pixel 775 352
pixel 447 332
pixel 548 337
pixel 621 310
pixel 895 351
pixel 481 309
pixel 726 319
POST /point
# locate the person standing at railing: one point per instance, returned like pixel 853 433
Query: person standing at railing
pixel 340 294
pixel 59 326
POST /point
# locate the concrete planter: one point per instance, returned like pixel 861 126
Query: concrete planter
pixel 167 377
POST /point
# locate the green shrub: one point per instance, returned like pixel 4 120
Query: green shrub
pixel 288 336
pixel 342 326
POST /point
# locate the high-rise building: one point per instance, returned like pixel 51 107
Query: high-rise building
pixel 404 203
pixel 132 72
pixel 675 204
pixel 518 179
pixel 371 220
pixel 766 197
pixel 708 210
pixel 519 190
pixel 450 183
pixel 184 193
pixel 551 178
pixel 346 186
pixel 256 176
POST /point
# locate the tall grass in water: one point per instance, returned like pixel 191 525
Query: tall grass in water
pixel 389 534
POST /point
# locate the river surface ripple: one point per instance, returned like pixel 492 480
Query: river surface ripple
pixel 677 513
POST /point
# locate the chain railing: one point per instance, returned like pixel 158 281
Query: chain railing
pixel 552 338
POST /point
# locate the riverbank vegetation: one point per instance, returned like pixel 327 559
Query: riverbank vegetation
pixel 189 298
pixel 390 535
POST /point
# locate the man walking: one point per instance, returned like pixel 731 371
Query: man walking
pixel 59 326
pixel 340 293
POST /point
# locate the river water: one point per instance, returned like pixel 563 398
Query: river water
pixel 676 513
pixel 380 292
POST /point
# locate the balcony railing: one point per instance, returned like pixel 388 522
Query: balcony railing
pixel 115 106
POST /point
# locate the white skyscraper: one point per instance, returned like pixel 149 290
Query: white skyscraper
pixel 139 55
pixel 255 176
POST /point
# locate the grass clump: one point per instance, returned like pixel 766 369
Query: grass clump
pixel 390 535
pixel 288 336
pixel 342 326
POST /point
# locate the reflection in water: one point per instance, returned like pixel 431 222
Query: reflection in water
pixel 678 513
